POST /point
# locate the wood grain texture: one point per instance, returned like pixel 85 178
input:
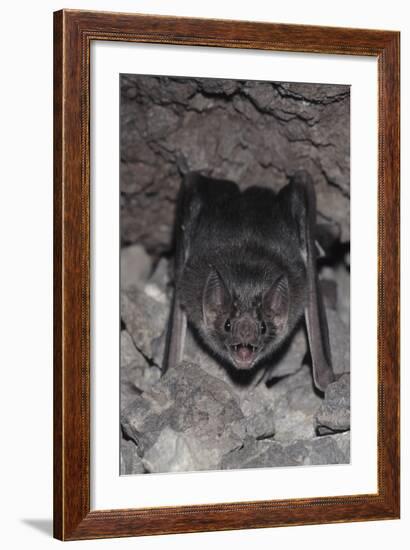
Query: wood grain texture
pixel 58 273
pixel 73 32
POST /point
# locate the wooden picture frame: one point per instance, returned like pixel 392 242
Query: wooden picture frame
pixel 73 33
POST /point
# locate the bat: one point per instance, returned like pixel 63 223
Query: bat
pixel 245 273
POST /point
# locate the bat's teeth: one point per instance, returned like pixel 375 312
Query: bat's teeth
pixel 238 347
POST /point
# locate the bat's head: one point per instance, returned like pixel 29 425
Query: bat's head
pixel 245 327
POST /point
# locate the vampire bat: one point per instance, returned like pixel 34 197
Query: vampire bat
pixel 245 272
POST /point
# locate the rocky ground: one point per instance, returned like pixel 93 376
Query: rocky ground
pixel 196 417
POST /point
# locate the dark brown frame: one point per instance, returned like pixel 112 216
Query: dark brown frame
pixel 73 33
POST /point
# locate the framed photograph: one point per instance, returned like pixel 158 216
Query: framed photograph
pixel 226 275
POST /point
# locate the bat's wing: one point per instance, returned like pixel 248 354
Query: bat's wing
pixel 303 208
pixel 188 208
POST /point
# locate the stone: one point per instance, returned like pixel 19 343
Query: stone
pixel 137 378
pixel 226 128
pixel 131 463
pixel 145 319
pixel 145 417
pixel 339 275
pixel 137 375
pixel 339 336
pixel 195 353
pixel 202 415
pixel 330 449
pixel 295 406
pixel 290 359
pixel 334 413
pixel 342 277
pixel 158 285
pixel 161 122
pixel 129 353
pixel 170 453
pixel 260 425
pixel 128 388
pixel 135 266
pixel 192 411
pixel 263 94
pixel 329 293
pixel 136 177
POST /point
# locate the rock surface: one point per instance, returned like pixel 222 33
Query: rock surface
pixel 339 336
pixel 145 319
pixel 200 417
pixel 130 461
pixel 185 423
pixel 330 449
pixel 255 133
pixel 136 266
pixel 334 412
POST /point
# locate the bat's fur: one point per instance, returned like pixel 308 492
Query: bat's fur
pixel 242 268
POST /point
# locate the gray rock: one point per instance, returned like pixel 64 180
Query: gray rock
pixel 331 449
pixel 145 318
pixel 129 353
pixel 260 425
pixel 288 408
pixel 334 413
pixel 130 461
pixel 145 417
pixel 329 293
pixel 339 336
pixel 135 379
pixel 295 406
pixel 218 86
pixel 340 276
pixel 194 353
pixel 161 122
pixel 200 103
pixel 170 453
pixel 158 284
pixel 136 375
pixel 158 349
pixel 193 413
pixel 135 266
pixel 198 416
pixel 226 128
pixel 129 390
pixel 291 358
pixel 131 362
pixel 292 361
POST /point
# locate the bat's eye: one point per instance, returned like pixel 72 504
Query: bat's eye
pixel 227 325
pixel 263 327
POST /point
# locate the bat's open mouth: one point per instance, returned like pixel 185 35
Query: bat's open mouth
pixel 243 355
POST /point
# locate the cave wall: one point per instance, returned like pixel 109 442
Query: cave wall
pixel 252 132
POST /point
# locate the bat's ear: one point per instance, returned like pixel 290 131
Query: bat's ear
pixel 276 302
pixel 215 298
pixel 303 210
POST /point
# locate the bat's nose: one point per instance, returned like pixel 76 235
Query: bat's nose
pixel 246 329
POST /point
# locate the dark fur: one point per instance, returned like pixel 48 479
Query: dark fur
pixel 242 268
